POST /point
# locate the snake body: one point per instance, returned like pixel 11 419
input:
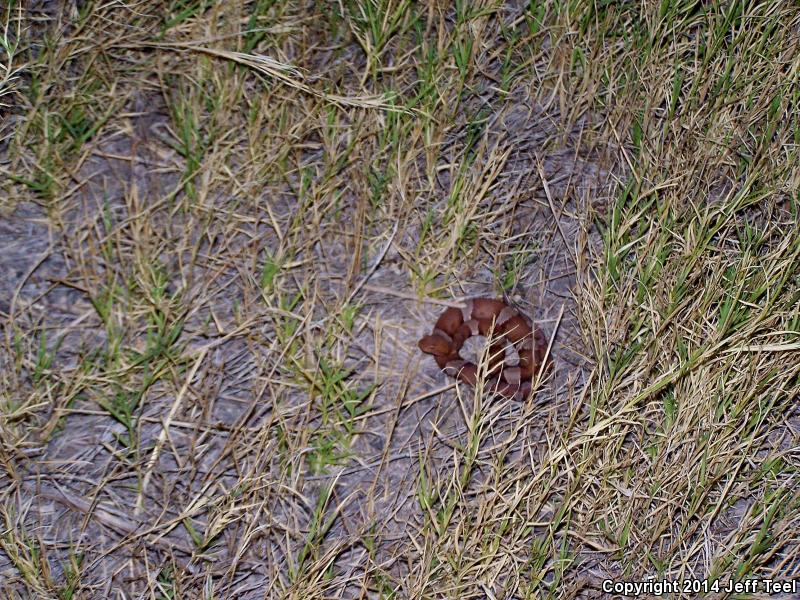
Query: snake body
pixel 485 316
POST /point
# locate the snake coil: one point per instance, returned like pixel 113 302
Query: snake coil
pixel 482 316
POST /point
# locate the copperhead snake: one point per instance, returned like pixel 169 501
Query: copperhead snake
pixel 482 316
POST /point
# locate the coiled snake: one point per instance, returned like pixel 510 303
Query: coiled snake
pixel 485 316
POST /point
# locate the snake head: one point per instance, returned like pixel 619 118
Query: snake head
pixel 434 344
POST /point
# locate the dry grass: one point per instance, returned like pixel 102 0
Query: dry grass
pixel 225 225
